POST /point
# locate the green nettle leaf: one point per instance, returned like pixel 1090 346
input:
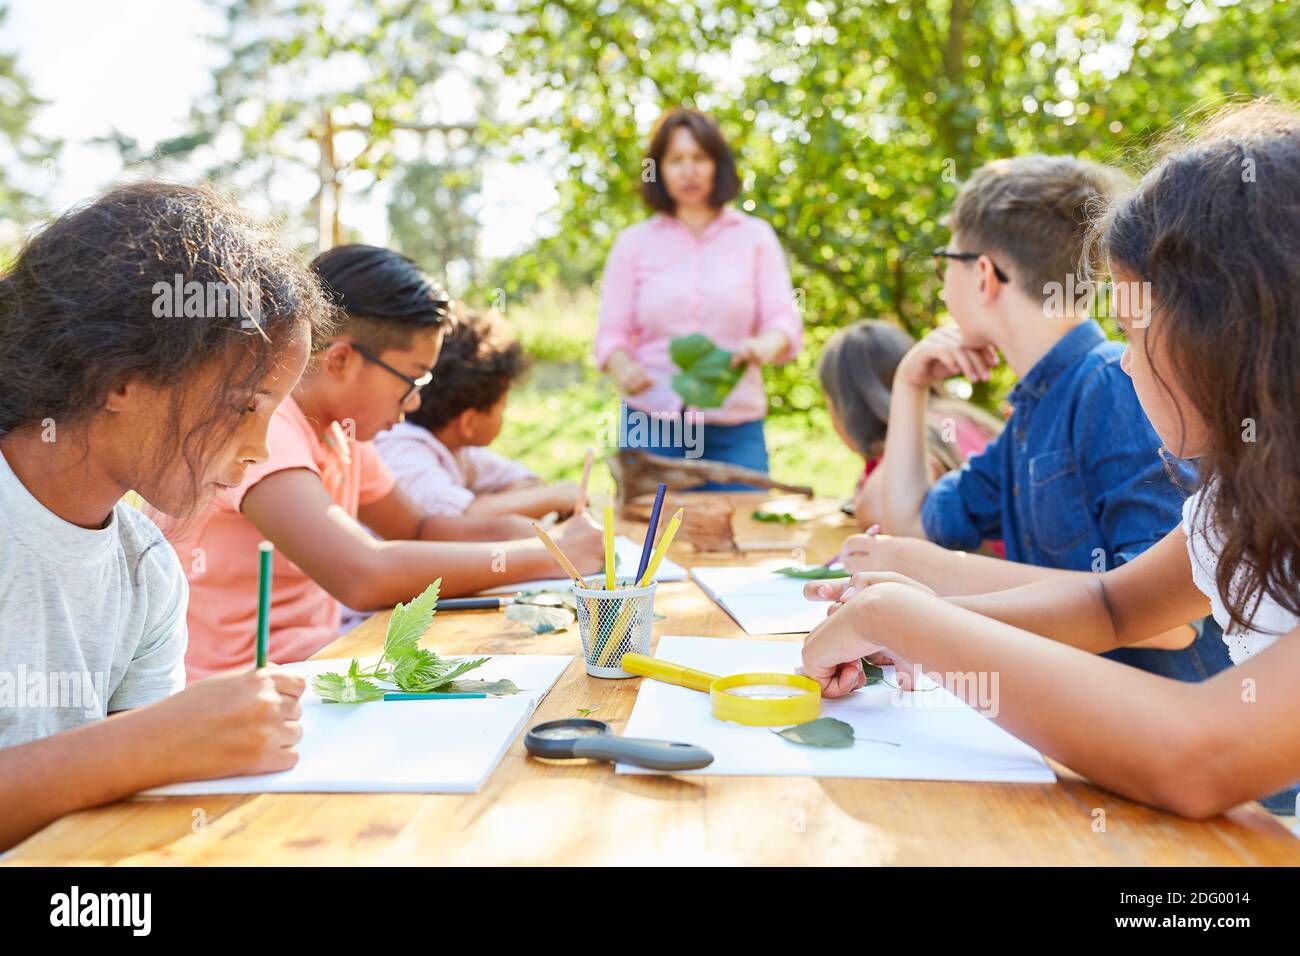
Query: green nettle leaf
pixel 822 732
pixel 409 622
pixel 818 573
pixel 403 664
pixel 493 688
pixel 706 377
pixel 542 620
pixel 775 517
pixel 875 675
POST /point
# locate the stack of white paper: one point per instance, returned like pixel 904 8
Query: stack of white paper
pixel 410 746
pixel 939 737
pixel 628 555
pixel 761 601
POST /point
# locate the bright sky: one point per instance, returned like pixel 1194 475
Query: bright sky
pixel 136 66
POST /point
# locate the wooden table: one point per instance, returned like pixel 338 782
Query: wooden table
pixel 531 812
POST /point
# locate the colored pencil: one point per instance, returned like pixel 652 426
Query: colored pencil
pixel 648 548
pixel 559 555
pixel 264 551
pixel 609 548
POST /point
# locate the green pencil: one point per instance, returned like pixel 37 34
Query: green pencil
pixel 263 600
pixel 398 695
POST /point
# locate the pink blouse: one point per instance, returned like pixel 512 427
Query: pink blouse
pixel 661 282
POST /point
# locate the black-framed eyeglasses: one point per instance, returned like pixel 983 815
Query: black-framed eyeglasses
pixel 415 383
pixel 941 254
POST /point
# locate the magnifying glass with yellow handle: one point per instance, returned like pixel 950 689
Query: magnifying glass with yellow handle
pixel 759 699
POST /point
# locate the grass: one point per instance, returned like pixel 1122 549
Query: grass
pixel 565 406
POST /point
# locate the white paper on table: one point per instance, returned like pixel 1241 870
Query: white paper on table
pixel 760 600
pixel 408 746
pixel 628 557
pixel 940 737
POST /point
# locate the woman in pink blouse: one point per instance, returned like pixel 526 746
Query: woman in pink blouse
pixel 694 266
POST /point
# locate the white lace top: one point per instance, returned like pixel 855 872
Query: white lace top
pixel 1270 619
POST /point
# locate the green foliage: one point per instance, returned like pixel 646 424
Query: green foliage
pixel 707 376
pixel 403 663
pixel 818 573
pixel 774 517
pixel 822 732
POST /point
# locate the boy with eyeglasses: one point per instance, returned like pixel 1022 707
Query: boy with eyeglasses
pixel 1076 482
pixel 320 484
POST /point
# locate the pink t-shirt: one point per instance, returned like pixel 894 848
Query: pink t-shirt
pixel 439 480
pixel 662 282
pixel 219 553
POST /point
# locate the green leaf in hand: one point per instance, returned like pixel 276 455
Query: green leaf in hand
pixel 706 377
pixel 818 573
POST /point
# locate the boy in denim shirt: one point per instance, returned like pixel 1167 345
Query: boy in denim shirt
pixel 1076 482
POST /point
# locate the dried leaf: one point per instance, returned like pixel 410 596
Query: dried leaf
pixel 542 620
pixel 494 688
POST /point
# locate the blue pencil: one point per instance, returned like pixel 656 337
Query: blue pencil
pixel 649 546
pixel 397 695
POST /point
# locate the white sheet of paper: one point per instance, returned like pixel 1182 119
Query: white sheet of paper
pixel 761 601
pixel 628 555
pixel 409 746
pixel 940 737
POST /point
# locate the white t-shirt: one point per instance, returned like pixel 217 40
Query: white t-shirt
pixel 91 621
pixel 1270 620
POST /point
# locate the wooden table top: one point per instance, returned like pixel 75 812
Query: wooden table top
pixel 532 812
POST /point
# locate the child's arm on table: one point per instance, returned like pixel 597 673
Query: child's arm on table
pixel 293 509
pixel 533 500
pixel 397 517
pixel 961 573
pixel 1196 749
pixel 236 723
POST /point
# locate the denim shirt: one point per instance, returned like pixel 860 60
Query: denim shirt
pixel 1076 480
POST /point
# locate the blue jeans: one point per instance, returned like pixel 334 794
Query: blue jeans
pixel 1204 657
pixel 741 444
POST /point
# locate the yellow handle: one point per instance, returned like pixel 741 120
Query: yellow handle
pixel 667 672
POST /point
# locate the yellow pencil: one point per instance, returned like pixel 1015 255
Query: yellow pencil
pixel 581 504
pixel 560 556
pixel 609 547
pixel 657 558
pixel 624 619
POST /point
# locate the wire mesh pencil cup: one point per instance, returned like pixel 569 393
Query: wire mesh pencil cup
pixel 614 623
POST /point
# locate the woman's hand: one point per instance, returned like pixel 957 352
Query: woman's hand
pixel 941 355
pixel 627 374
pixel 761 349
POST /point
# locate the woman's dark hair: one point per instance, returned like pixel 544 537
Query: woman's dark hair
pixel 151 281
pixel 1215 230
pixel 384 295
pixel 705 131
pixel 479 361
pixel 857 372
